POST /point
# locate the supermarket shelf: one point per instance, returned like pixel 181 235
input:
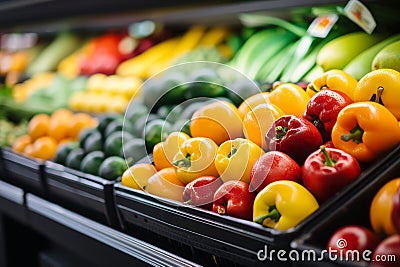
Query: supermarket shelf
pixel 128 245
pixel 27 16
pixel 103 246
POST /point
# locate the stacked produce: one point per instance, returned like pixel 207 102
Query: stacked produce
pixel 278 155
pixel 46 92
pixel 105 94
pixel 47 133
pixel 10 131
pixel 272 156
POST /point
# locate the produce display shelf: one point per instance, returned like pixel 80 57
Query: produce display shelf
pixel 224 236
pixel 87 242
pixel 108 247
pixel 22 171
pixel 83 193
pixel 354 211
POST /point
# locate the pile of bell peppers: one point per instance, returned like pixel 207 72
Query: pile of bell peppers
pixel 318 146
pixel 381 235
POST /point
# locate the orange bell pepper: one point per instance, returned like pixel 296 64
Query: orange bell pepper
pixel 381 208
pixel 164 152
pixel 334 80
pixel 290 98
pixel 365 130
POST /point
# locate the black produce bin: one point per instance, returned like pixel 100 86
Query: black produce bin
pixel 352 210
pixel 2 169
pixel 24 172
pixel 235 240
pixel 86 194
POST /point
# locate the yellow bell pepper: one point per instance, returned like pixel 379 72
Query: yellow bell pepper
pixel 334 80
pixel 283 204
pixel 365 130
pixel 290 98
pixel 235 158
pixel 381 86
pixel 137 175
pixel 164 152
pixel 195 158
pixel 381 208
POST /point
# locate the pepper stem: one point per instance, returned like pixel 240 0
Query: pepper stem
pixel 233 151
pixel 328 160
pixel 273 215
pixel 280 131
pixel 377 98
pixel 183 163
pixel 312 88
pixel 355 134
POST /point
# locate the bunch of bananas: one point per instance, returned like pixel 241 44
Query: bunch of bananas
pixel 166 53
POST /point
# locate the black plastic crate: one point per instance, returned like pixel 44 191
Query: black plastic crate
pixel 227 237
pixel 2 169
pixel 225 240
pixel 23 171
pixel 354 210
pixel 86 194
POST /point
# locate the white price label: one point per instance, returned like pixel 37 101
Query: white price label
pixel 357 12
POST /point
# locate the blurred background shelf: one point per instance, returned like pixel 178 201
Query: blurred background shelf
pixel 49 16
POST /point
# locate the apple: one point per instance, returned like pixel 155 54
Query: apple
pixel 273 166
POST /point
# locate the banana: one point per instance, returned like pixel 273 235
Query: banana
pixel 361 64
pixel 340 51
pixel 189 41
pixel 137 65
pixel 214 36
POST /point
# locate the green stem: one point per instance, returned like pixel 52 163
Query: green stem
pixel 280 131
pixel 328 160
pixel 183 163
pixel 233 151
pixel 273 215
pixel 355 134
pixel 312 88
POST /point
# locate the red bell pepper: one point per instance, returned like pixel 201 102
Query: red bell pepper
pixel 387 253
pixel 200 192
pixel 323 108
pixel 234 199
pixel 327 171
pixel 294 136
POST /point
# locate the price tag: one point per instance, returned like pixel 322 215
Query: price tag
pixel 357 12
pixel 321 25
